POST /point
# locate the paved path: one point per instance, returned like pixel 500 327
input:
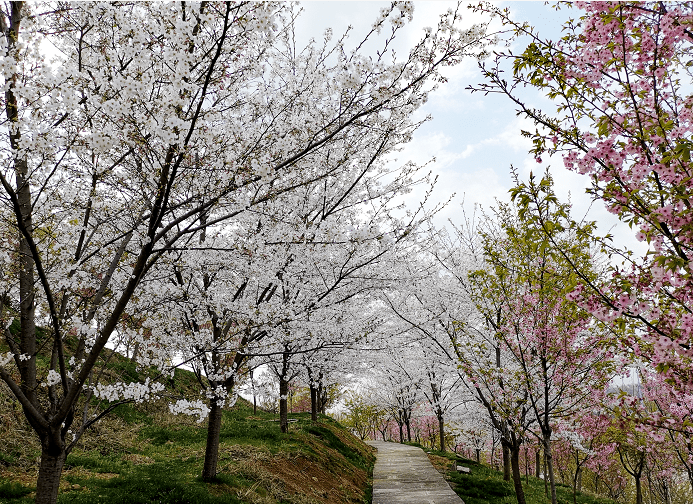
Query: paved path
pixel 404 475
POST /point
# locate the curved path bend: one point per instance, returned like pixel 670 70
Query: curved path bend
pixel 404 475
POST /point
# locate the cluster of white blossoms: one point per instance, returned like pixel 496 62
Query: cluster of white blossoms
pixel 576 441
pixel 136 391
pixel 263 20
pixel 6 358
pixel 53 378
pixel 101 142
pixel 192 408
pixel 261 168
pixel 8 66
pixel 406 10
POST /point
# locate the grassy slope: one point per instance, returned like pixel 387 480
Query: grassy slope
pixel 143 454
pixel 484 485
pixel 145 457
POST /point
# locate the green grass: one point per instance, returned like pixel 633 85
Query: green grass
pixel 335 443
pixel 13 490
pixel 7 458
pixel 484 485
pixel 162 482
pixel 481 488
pixel 237 427
pixel 158 436
pixel 129 414
pixel 96 462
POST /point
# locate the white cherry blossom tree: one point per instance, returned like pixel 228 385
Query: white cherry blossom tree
pixel 154 122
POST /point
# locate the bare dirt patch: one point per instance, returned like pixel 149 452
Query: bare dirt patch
pixel 441 464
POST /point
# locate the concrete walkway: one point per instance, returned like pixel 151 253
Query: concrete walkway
pixel 404 475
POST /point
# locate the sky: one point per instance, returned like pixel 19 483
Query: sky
pixel 474 138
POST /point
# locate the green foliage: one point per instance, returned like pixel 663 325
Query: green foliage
pixel 362 416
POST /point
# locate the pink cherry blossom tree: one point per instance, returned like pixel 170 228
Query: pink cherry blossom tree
pixel 623 117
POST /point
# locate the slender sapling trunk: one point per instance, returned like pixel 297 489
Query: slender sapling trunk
pixel 283 404
pixel 209 469
pixel 517 476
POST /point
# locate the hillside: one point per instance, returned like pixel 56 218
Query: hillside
pixel 144 454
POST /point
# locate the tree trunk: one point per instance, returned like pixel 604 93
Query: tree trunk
pixel 283 406
pixel 50 470
pixel 313 404
pixel 209 469
pixel 27 283
pixel 321 394
pixel 537 457
pixel 517 476
pixel 577 483
pixel 478 455
pixel 407 422
pixel 575 490
pixel 252 386
pixel 135 351
pixel 401 434
pixel 549 466
pixel 546 481
pixel 506 463
pixel 575 480
pixel 441 429
pixel 638 490
pixel 321 398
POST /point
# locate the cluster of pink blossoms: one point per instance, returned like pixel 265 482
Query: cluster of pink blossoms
pixel 626 66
